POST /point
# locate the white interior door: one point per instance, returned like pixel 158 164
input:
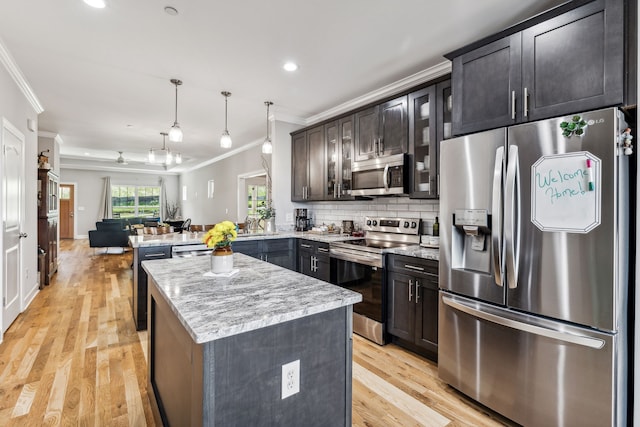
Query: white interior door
pixel 12 196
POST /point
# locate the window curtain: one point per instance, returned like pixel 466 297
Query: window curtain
pixel 105 210
pixel 163 199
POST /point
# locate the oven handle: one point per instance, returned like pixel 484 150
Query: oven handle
pixel 359 259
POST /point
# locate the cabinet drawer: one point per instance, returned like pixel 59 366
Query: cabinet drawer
pixel 426 268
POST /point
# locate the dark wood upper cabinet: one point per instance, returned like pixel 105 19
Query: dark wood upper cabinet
pixel 393 127
pixel 307 166
pixel 574 62
pixel 367 125
pixel 569 63
pixel 429 123
pixel 300 166
pixel 339 153
pixel 381 130
pixel 485 84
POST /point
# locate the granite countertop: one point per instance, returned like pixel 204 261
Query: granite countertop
pixel 417 251
pixel 187 238
pixel 168 239
pixel 259 295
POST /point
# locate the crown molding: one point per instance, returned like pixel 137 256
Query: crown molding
pixel 94 167
pixel 14 71
pixel 398 86
pixel 288 118
pixel 55 136
pixel 225 155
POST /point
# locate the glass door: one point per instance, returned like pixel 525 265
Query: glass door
pixel 422 125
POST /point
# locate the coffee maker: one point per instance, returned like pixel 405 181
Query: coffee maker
pixel 303 223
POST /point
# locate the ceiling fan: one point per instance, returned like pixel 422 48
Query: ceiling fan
pixel 121 160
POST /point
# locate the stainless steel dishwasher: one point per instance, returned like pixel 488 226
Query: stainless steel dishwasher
pixel 188 251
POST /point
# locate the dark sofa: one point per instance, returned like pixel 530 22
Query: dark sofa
pixel 114 232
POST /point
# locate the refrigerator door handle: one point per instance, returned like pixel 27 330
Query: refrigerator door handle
pixel 582 340
pixel 512 218
pixel 496 217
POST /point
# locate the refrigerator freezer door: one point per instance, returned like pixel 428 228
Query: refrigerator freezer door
pixel 578 277
pixel 471 171
pixel 534 371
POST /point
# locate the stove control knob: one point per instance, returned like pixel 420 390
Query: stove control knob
pixel 406 224
pixel 375 222
pixel 368 222
pixel 414 224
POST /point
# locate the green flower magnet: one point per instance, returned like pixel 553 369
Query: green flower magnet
pixel 575 127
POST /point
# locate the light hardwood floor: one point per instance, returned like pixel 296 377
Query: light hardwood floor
pixel 74 358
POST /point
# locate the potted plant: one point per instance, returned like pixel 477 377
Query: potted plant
pixel 220 238
pixel 268 218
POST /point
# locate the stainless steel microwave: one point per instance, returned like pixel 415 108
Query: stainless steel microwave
pixel 382 176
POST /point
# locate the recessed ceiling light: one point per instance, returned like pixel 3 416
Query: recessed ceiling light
pixel 98 4
pixel 290 66
pixel 129 126
pixel 87 154
pixel 171 10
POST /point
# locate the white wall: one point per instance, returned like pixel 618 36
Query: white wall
pixel 15 107
pixel 224 173
pixel 89 187
pixel 281 161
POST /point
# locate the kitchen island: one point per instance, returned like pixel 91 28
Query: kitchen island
pixel 217 345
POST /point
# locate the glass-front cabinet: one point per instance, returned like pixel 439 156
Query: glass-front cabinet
pixel 339 140
pixel 422 126
pixel 429 123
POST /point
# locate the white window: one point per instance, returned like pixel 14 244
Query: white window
pixel 135 201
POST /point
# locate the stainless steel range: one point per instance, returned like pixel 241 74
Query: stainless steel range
pixel 359 265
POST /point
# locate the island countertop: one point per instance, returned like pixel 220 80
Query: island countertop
pixel 259 295
pixel 188 238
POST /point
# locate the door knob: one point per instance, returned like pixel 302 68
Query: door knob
pixel 22 235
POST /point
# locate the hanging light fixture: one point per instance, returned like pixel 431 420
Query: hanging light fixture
pixel 175 133
pixel 225 139
pixel 168 155
pixel 267 146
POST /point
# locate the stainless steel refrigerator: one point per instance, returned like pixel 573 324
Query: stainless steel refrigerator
pixel 534 260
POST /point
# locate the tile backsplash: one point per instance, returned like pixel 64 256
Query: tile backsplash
pixel 335 212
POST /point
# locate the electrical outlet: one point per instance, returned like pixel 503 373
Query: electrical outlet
pixel 290 378
pixel 289 217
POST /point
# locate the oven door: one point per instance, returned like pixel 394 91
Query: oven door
pixel 369 315
pixel 381 176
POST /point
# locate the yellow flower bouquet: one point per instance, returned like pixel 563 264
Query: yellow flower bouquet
pixel 221 235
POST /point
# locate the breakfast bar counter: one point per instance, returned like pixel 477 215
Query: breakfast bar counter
pixel 220 347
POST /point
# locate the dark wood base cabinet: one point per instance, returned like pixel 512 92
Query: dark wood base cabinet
pixel 314 259
pixel 236 381
pixel 412 286
pixel 140 285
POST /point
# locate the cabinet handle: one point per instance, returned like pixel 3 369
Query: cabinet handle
pixel 339 190
pixel 413 267
pixel 266 257
pixel 154 255
pixel 410 289
pixel 380 146
pixel 323 249
pixel 305 246
pixel 513 105
pixel 417 292
pixel 526 102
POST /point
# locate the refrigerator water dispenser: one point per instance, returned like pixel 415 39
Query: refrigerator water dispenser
pixel 471 230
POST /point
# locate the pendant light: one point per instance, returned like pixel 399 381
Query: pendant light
pixel 225 139
pixel 168 155
pixel 267 146
pixel 175 133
